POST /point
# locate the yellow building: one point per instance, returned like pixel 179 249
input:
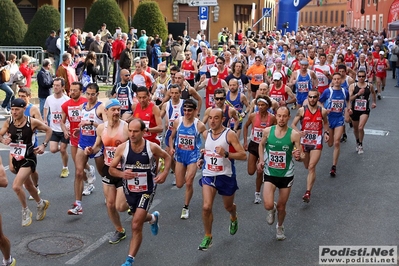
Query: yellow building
pixel 233 14
pixel 324 12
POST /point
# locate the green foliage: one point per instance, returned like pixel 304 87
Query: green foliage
pixel 108 12
pixel 12 26
pixel 149 17
pixel 47 18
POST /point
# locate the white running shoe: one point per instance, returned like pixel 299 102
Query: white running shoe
pixel 88 189
pixel 185 213
pixel 280 232
pixel 90 174
pixel 271 215
pixel 257 200
pixel 360 149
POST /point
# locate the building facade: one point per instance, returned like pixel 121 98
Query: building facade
pixel 331 13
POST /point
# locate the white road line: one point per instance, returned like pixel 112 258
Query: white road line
pixel 90 249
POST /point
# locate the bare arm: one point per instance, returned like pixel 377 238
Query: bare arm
pixel 197 97
pixel 160 153
pixel 157 114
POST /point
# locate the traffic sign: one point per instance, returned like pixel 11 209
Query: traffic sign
pixel 267 12
pixel 202 2
pixel 203 13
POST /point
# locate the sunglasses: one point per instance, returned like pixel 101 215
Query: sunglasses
pixel 219 63
pixel 162 71
pixel 313 97
pixel 127 75
pixel 361 76
pixel 172 74
pixel 188 110
pixel 219 98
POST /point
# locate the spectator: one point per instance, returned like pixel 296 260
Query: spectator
pixel 107 49
pixel 157 54
pixel 27 69
pixel 66 72
pixel 117 47
pixel 3 86
pixel 89 40
pixel 91 67
pixel 126 59
pixel 97 47
pixel 132 36
pixel 44 83
pixel 169 43
pixel 142 43
pixel 104 33
pixel 149 49
pixel 50 38
pixel 54 50
pixel 14 68
pixel 73 40
pixel 195 49
pixel 80 42
pixel 179 50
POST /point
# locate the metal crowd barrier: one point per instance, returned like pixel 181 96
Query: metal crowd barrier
pixel 21 50
pixel 138 52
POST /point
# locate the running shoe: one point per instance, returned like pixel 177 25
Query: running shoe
pixel 117 237
pixel 383 88
pixel 26 217
pixel 233 226
pixel 88 189
pixel 174 181
pixel 306 197
pixel 13 262
pixel 360 150
pixel 41 210
pixel 271 215
pixel 38 193
pixel 76 210
pixel 280 232
pixel 129 261
pixel 90 174
pixel 206 243
pixel 185 213
pixel 155 225
pixel 257 200
pixel 379 96
pixel 64 173
pixel 333 171
pixel 357 147
pixel 344 138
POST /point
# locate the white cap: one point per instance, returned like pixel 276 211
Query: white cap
pixel 214 71
pixel 386 39
pixel 381 53
pixel 349 48
pixel 277 76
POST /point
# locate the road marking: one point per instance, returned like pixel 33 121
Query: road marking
pixel 90 249
pixel 376 132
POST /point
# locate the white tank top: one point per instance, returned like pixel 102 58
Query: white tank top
pixel 214 164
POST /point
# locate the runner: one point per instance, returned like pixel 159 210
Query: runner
pixel 313 119
pixel 279 146
pixel 359 94
pixel 346 81
pixel 218 174
pixel 323 73
pixel 381 67
pixel 111 134
pixel 280 92
pixel 259 121
pixel 263 90
pixel 257 74
pixel 210 86
pixel 92 115
pixel 138 164
pixel 304 80
pixel 186 141
pixel 189 67
pixel 336 101
pixel 124 92
pixel 58 142
pixel 238 100
pixel 20 130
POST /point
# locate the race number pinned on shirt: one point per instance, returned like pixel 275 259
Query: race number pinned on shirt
pixel 211 99
pixel 258 133
pixel 337 106
pixel 310 137
pixel 215 162
pixel 56 117
pixel 360 104
pixel 74 113
pixel 303 86
pixel 88 130
pixel 138 183
pixel 147 125
pixel 277 159
pixel 124 102
pixel 186 142
pixel 17 151
pixel 109 155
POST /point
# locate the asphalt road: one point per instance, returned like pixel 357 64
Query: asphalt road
pixel 358 207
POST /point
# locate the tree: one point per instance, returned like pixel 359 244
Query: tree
pixel 108 12
pixel 12 26
pixel 47 18
pixel 149 17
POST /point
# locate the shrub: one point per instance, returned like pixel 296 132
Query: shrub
pixel 149 17
pixel 12 26
pixel 108 12
pixel 47 18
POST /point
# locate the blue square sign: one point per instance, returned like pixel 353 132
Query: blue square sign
pixel 267 12
pixel 203 13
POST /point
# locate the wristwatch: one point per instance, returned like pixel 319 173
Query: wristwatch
pixel 45 144
pixel 226 154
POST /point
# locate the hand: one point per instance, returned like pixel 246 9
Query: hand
pixel 245 146
pixel 219 150
pixel 260 166
pixel 76 132
pixel 297 154
pixel 128 174
pixel 171 151
pixel 39 149
pixel 373 105
pixel 66 135
pixel 88 150
pixel 360 92
pixel 326 137
pixel 242 114
pixel 202 78
pixel 6 139
pixel 200 162
pixel 159 179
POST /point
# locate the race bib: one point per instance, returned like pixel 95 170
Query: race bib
pixel 348 64
pixel 277 97
pixel 277 159
pixel 310 137
pixel 380 68
pixel 215 163
pixel 147 125
pixel 56 117
pixel 360 104
pixel 124 102
pixel 211 99
pixel 302 86
pixel 187 74
pixel 18 150
pixel 88 130
pixel 337 106
pixel 258 133
pixel 74 113
pixel 258 77
pixel 186 142
pixel 138 183
pixel 109 155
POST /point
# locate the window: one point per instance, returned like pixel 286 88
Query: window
pixel 301 14
pixel 306 17
pixel 326 17
pixel 331 16
pixel 310 16
pixel 315 16
pixel 342 16
pixel 368 2
pixel 336 15
pixel 321 16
